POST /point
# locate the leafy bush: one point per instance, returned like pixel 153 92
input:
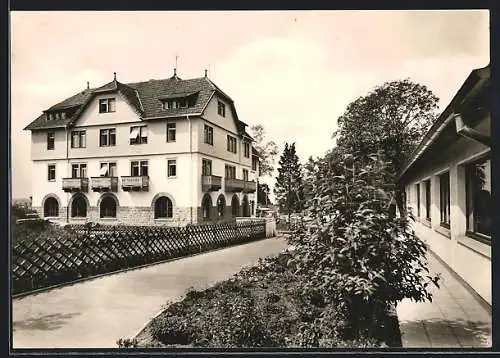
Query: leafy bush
pixel 261 306
pixel 359 257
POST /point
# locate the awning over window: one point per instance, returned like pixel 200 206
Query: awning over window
pixel 134 134
pixel 103 171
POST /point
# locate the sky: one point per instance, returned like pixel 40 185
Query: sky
pixel 294 72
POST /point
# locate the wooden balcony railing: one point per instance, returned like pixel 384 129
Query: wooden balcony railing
pixel 75 184
pixel 234 185
pixel 135 183
pixel 250 186
pixel 104 184
pixel 210 183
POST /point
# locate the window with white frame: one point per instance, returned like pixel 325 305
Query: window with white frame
pixel 78 139
pixel 231 144
pixel 79 170
pixel 51 172
pixel 478 199
pixel 51 137
pixel 230 171
pixel 427 187
pixel 171 168
pixel 171 131
pixel 139 168
pixel 138 135
pixel 246 149
pixel 221 109
pixel 208 135
pixel 107 137
pixel 444 199
pixel 417 194
pixel 107 105
pixel 206 167
pixel 108 169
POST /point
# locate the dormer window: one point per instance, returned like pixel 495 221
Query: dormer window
pixel 179 102
pixel 107 105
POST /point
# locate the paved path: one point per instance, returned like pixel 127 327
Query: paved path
pixel 454 318
pixel 95 313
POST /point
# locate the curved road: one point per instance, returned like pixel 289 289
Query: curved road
pixel 95 313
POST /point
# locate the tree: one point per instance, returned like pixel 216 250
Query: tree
pixel 288 187
pixel 263 194
pixel 393 118
pixel 266 150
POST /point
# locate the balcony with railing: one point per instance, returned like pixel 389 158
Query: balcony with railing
pixel 210 183
pixel 104 184
pixel 135 183
pixel 250 186
pixel 75 184
pixel 234 185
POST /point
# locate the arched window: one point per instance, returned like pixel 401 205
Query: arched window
pixel 246 206
pixel 163 208
pixel 206 206
pixel 221 205
pixel 235 206
pixel 79 207
pixel 108 207
pixel 51 207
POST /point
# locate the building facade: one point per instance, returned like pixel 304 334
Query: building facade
pixel 160 152
pixel 448 184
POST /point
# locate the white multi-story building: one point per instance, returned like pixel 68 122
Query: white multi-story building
pixel 160 152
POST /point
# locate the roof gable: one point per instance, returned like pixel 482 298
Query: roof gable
pixel 145 97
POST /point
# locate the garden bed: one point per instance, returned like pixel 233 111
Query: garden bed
pixel 261 306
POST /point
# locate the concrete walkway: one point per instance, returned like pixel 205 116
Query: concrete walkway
pixel 454 318
pixel 95 313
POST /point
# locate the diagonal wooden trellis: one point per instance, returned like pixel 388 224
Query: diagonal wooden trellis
pixel 98 250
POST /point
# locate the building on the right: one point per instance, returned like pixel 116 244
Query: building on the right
pixel 447 183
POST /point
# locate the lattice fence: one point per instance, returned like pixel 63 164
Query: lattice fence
pixel 97 250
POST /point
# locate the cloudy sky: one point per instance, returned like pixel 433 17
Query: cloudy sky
pixel 292 71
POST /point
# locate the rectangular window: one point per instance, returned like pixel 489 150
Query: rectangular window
pixel 246 150
pixel 417 191
pixel 78 139
pixel 231 144
pixel 209 135
pixel 51 136
pixel 172 168
pixel 63 115
pixel 51 172
pixel 171 129
pixel 79 170
pixel 107 137
pixel 478 199
pixel 106 105
pixel 230 172
pixel 255 163
pixel 221 109
pixel 206 167
pixel 245 174
pixel 138 135
pixel 427 185
pixel 139 168
pixel 444 199
pixel 108 169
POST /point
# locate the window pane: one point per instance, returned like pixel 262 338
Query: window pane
pixel 144 168
pixel 111 105
pixel 479 197
pixel 83 141
pixel 104 138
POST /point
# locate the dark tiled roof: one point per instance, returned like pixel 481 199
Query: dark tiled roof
pixel 145 97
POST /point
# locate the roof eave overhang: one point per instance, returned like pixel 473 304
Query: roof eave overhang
pixel 472 84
